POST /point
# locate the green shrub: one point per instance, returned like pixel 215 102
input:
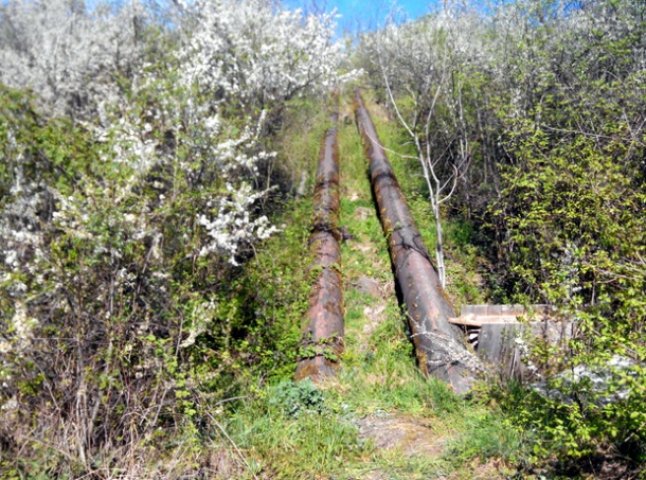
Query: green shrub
pixel 573 221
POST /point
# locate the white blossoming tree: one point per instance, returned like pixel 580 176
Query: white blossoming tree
pixel 70 56
pixel 130 192
pixel 254 53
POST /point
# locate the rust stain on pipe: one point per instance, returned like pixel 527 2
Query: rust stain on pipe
pixel 323 337
pixel 439 345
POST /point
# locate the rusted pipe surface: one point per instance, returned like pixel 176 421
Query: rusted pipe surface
pixel 323 338
pixel 439 345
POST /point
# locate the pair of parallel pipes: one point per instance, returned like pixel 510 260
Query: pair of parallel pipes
pixel 439 345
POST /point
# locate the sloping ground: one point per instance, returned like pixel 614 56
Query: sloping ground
pixel 379 418
pixel 396 408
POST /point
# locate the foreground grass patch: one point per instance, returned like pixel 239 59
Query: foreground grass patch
pixel 292 432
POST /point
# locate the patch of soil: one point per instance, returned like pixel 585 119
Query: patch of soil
pixel 374 317
pixel 408 435
pixel 369 286
pixel 375 475
pixel 365 248
pixel 223 464
pixel 491 470
pixel 375 312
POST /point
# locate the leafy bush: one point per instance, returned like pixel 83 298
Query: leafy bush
pixel 549 99
pixel 568 224
pixel 294 398
pixel 575 239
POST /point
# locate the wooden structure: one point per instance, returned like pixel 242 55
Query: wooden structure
pixel 500 334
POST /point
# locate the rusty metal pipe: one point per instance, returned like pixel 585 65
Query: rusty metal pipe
pixel 323 337
pixel 439 345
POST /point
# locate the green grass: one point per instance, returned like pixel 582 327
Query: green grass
pixel 293 445
pixel 299 140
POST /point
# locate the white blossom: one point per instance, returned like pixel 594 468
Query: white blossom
pixel 233 226
pixel 66 53
pixel 253 52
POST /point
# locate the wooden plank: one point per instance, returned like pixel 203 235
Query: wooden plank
pixel 478 315
pixel 480 320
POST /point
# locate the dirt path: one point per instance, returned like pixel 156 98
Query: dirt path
pixel 375 329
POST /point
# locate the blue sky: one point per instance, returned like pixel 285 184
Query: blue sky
pixel 366 14
pixel 355 14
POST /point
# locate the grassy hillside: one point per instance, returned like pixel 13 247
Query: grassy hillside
pixel 380 418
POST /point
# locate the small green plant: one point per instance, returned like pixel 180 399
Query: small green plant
pixel 295 398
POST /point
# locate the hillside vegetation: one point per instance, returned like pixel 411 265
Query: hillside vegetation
pixel 156 171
